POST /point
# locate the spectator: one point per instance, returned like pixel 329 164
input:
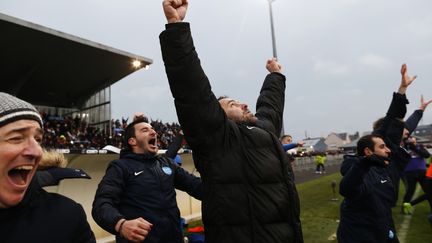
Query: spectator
pixel 287 143
pixel 320 160
pixel 28 213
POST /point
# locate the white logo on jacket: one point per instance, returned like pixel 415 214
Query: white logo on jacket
pixel 137 173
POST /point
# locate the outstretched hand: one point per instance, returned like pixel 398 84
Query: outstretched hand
pixel 423 103
pixel 406 79
pixel 175 10
pixel 273 66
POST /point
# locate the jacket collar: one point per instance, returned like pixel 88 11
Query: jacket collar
pixel 128 154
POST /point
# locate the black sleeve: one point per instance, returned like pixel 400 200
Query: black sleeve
pixel 421 151
pixel 397 107
pixel 174 147
pixel 105 205
pixel 270 103
pixel 413 120
pixel 83 233
pixel 351 185
pixel 188 183
pixel 392 127
pixel 201 117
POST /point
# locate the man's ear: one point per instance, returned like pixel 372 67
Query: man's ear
pixel 132 141
pixel 367 151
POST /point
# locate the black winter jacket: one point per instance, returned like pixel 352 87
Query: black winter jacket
pixel 365 213
pixel 392 130
pixel 249 193
pixel 371 192
pixel 142 185
pixel 44 217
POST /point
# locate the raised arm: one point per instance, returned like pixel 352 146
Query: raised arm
pixel 406 79
pixel 175 145
pixel 175 10
pixel 198 110
pixel 270 103
pixel 412 121
pixel 424 104
pixel 397 109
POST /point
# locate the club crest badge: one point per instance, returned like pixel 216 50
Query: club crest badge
pixel 167 170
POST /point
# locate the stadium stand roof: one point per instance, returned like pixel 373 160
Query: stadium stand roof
pixel 48 67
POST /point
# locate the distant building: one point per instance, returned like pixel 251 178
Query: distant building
pixel 336 140
pixel 424 131
pixel 354 136
pixel 313 145
pixel 350 148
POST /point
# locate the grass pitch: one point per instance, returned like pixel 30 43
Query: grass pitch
pixel 320 213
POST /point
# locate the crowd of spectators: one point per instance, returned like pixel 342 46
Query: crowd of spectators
pixel 74 133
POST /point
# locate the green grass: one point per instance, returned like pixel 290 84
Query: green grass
pixel 320 214
pixel 420 229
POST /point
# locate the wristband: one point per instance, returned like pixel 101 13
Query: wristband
pixel 120 228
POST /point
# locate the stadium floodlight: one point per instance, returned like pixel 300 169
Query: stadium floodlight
pixel 136 64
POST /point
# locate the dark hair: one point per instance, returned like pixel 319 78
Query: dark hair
pixel 222 97
pixel 366 142
pixel 378 123
pixel 130 131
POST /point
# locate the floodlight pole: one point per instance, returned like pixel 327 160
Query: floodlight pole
pixel 274 49
pixel 272 29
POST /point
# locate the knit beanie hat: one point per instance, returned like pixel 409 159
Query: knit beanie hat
pixel 14 109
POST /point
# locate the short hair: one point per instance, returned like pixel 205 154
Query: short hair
pixel 130 130
pixel 378 123
pixel 222 97
pixel 285 136
pixel 366 142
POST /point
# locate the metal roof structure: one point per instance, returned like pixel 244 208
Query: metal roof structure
pixel 48 67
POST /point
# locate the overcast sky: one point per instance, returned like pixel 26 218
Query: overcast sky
pixel 342 58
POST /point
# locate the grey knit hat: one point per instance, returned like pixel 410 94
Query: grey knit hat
pixel 14 109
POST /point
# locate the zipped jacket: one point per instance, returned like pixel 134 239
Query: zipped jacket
pixel 143 185
pixel 249 192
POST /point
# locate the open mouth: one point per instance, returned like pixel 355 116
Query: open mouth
pixel 19 174
pixel 153 142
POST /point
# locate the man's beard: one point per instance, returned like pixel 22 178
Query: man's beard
pixel 250 120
